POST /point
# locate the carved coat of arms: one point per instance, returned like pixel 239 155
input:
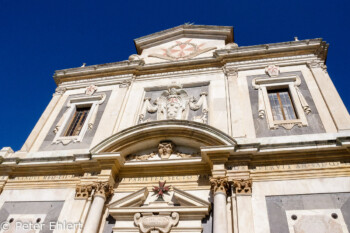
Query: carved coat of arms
pixel 175 104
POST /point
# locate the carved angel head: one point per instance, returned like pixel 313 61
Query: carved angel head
pixel 165 149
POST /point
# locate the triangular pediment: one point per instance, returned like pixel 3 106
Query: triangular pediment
pixel 183 42
pixel 185 199
pixel 135 199
pixel 179 197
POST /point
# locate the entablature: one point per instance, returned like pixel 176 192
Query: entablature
pixel 242 56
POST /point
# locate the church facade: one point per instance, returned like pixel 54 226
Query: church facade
pixel 192 134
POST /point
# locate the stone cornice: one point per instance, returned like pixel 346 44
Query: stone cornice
pixel 306 148
pixel 251 54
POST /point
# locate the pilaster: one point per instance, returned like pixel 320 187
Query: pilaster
pixel 234 108
pixel 242 196
pixel 331 96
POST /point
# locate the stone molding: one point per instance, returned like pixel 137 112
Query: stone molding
pixel 242 65
pixel 154 128
pixel 156 223
pixel 242 186
pixel 219 56
pixel 219 184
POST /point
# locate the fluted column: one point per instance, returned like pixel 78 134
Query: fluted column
pixel 103 190
pixel 219 188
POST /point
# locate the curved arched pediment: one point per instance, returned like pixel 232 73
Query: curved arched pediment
pixel 148 135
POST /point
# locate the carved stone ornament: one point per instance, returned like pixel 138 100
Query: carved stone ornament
pixel 103 189
pixel 166 150
pixel 182 50
pixel 175 104
pixel 242 186
pixel 136 57
pixel 160 190
pixel 125 84
pixel 156 223
pixel 272 70
pixel 317 64
pixel 219 184
pixel 83 191
pixel 231 46
pixel 90 90
pixel 60 90
pixel 230 71
pixel 289 126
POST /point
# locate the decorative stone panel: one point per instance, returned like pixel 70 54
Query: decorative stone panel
pixel 148 222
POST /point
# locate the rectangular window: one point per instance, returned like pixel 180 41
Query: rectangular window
pixel 77 122
pixel 281 104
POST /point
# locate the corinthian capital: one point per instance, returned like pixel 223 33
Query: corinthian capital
pixel 243 186
pixel 83 191
pixel 219 184
pixel 103 189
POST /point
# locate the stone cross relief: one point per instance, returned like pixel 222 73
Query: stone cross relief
pixel 166 150
pixel 175 104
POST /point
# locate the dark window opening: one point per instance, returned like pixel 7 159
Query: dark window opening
pixel 281 105
pixel 77 122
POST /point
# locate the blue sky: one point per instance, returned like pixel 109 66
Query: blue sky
pixel 39 37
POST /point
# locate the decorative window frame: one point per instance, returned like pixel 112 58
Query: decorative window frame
pixel 292 83
pixel 61 126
